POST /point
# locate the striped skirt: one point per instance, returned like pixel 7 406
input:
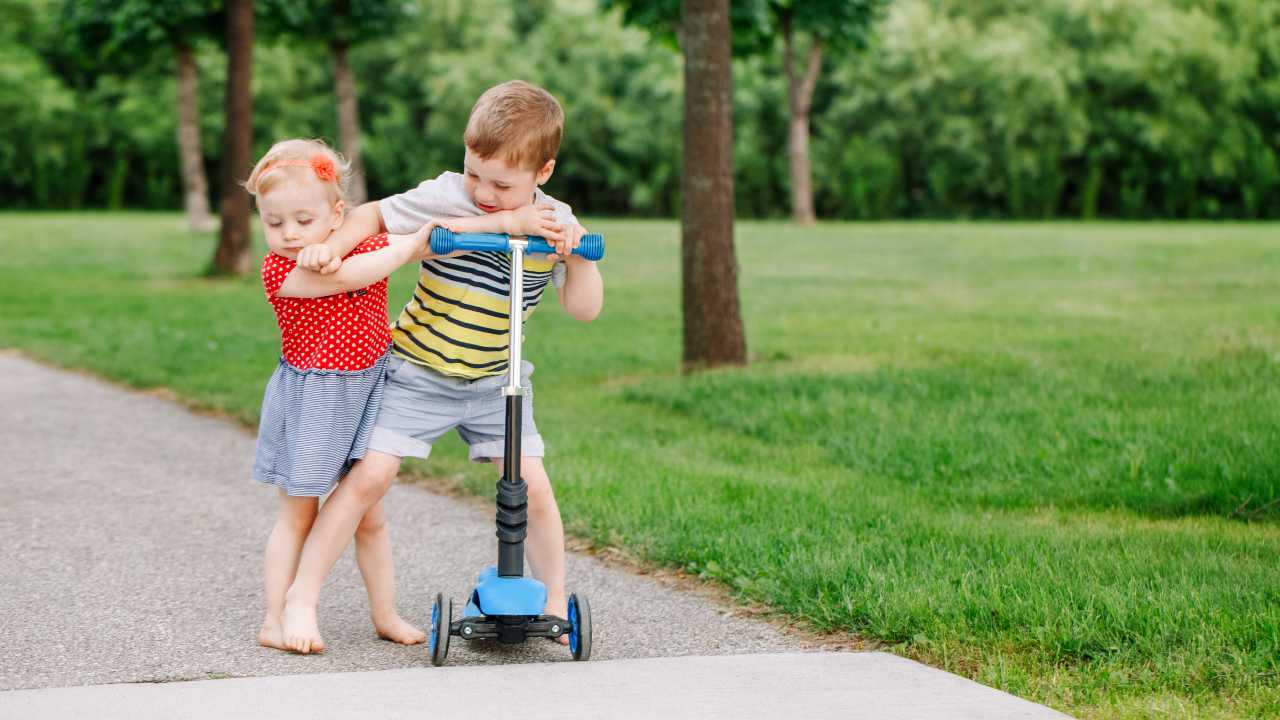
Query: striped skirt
pixel 315 424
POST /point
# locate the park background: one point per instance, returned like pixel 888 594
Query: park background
pixel 1044 455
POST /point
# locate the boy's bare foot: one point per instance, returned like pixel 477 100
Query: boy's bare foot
pixel 394 628
pixel 558 606
pixel 271 635
pixel 300 630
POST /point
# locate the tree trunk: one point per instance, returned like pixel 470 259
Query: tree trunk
pixel 800 100
pixel 344 86
pixel 712 318
pixel 232 256
pixel 195 188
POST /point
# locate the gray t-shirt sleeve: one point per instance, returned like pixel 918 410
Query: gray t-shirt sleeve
pixel 564 213
pixel 440 197
pixel 564 216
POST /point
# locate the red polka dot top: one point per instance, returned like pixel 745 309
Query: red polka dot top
pixel 347 331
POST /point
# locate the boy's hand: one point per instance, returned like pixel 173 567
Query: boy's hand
pixel 565 246
pixel 537 220
pixel 319 258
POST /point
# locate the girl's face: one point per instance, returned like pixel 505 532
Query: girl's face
pixel 296 214
pixel 494 185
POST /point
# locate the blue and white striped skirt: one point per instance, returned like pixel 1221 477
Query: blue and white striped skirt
pixel 315 424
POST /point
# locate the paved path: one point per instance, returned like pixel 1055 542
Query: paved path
pixel 132 551
pixel 813 686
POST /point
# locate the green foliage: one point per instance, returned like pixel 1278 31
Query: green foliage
pixel 1089 107
pixel 748 20
pixel 620 94
pixel 841 24
pixel 988 108
pixel 36 111
pixel 346 21
pixel 135 31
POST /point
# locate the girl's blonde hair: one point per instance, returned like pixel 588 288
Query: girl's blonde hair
pixel 298 158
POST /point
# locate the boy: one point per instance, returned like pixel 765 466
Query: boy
pixel 450 341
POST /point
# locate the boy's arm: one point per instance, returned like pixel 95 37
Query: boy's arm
pixel 357 272
pixel 582 294
pixel 326 257
pixel 539 219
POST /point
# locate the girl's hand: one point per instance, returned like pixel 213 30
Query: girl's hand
pixel 319 258
pixel 539 220
pixel 570 242
pixel 422 241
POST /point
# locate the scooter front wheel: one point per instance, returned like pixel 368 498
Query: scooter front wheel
pixel 441 620
pixel 580 631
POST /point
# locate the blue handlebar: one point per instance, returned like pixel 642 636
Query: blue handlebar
pixel 445 241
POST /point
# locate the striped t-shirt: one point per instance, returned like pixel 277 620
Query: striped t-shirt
pixel 457 320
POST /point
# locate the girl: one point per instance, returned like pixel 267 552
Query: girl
pixel 321 403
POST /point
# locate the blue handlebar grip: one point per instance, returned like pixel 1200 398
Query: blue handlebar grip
pixel 590 246
pixel 445 241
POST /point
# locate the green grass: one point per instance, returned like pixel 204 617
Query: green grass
pixel 1043 456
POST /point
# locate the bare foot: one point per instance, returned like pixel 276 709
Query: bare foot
pixel 299 629
pixel 558 606
pixel 271 635
pixel 394 628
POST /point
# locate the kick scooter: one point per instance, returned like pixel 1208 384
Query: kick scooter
pixel 505 605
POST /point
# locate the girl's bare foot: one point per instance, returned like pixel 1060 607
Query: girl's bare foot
pixel 300 630
pixel 393 627
pixel 271 635
pixel 558 606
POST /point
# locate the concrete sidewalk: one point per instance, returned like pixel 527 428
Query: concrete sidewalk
pixel 814 686
pixel 133 544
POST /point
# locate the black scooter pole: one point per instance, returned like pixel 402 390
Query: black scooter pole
pixel 513 498
pixel 513 493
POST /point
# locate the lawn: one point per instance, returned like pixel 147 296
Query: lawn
pixel 1044 456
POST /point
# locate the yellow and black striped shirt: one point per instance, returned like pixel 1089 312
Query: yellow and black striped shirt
pixel 458 320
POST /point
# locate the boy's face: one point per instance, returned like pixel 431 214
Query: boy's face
pixel 296 214
pixel 493 185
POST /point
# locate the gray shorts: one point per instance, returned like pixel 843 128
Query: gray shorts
pixel 419 405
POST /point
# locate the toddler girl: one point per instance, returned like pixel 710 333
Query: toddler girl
pixel 321 403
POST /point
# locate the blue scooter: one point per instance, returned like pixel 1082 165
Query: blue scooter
pixel 505 605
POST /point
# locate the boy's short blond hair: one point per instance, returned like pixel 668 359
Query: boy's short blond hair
pixel 517 122
pixel 300 158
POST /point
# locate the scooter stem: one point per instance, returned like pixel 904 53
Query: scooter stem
pixel 513 493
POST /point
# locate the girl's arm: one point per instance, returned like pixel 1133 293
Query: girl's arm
pixel 359 224
pixel 358 272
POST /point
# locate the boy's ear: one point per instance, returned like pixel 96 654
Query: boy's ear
pixel 545 173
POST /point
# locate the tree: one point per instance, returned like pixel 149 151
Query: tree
pixel 130 31
pixel 712 317
pixel 340 24
pixel 830 25
pixel 709 268
pixel 232 254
